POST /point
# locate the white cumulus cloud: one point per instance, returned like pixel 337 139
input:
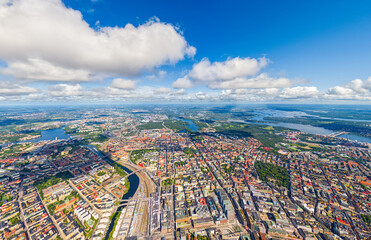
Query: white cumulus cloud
pixel 120 83
pixel 38 69
pixel 263 80
pixel 11 89
pixel 162 90
pixel 66 90
pixel 45 40
pixel 234 73
pixel 230 69
pixel 183 82
pixel 300 92
pixel 181 91
pixel 357 89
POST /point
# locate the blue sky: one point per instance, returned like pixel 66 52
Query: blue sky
pixel 231 51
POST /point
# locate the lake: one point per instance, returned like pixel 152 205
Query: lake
pixel 50 134
pixel 191 125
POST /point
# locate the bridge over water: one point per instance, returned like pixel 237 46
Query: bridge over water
pixel 335 134
pixel 128 175
pixel 125 202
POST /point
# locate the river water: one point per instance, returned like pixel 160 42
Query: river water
pixel 134 184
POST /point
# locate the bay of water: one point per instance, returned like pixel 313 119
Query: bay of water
pixel 261 113
pixel 313 130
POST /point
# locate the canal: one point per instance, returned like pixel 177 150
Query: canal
pixel 134 184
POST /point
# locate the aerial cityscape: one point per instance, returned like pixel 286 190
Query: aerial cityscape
pixel 185 172
pixel 185 120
